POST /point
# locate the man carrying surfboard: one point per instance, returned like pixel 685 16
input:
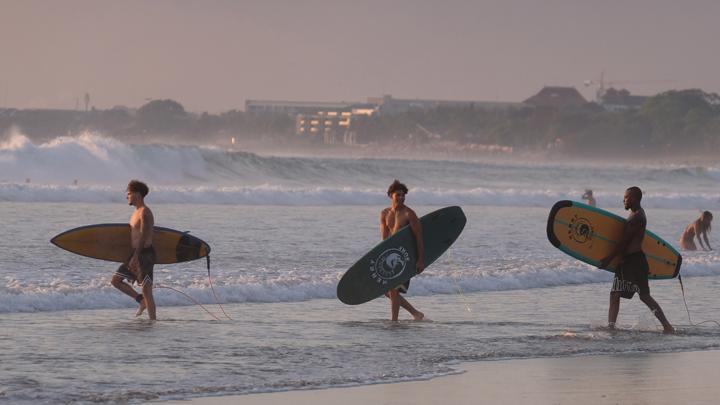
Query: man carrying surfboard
pixel 631 275
pixel 392 219
pixel 139 266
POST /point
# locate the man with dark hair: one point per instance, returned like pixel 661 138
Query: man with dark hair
pixel 631 275
pixel 139 267
pixel 396 216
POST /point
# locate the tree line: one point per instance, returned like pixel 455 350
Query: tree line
pixel 674 121
pixel 670 122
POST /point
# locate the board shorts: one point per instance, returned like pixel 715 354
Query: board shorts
pixel 147 262
pixel 403 288
pixel 631 276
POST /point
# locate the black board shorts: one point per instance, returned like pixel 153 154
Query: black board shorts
pixel 631 276
pixel 403 288
pixel 147 262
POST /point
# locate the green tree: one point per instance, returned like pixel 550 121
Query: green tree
pixel 162 116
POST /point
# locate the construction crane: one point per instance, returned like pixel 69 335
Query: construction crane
pixel 603 85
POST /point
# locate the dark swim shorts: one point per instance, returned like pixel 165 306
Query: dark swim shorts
pixel 632 276
pixel 147 262
pixel 403 288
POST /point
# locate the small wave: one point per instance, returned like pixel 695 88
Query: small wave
pixel 95 293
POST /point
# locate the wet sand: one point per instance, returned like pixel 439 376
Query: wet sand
pixel 636 378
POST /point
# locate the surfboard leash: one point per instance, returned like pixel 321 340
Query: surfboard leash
pixel 682 288
pixel 213 289
pixel 190 298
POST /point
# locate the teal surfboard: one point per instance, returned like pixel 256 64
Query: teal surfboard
pixel 392 261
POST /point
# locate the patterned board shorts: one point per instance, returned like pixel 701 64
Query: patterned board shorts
pixel 632 276
pixel 147 262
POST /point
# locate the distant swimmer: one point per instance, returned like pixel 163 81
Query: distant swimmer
pixel 590 198
pixel 391 220
pixel 699 227
pixel 139 266
pixel 631 275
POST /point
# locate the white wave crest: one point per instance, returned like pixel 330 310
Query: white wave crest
pixel 58 295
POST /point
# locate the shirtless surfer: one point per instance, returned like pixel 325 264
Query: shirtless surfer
pixel 699 227
pixel 396 216
pixel 139 266
pixel 631 275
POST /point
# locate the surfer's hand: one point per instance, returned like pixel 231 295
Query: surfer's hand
pixel 419 266
pixel 604 262
pixel 134 264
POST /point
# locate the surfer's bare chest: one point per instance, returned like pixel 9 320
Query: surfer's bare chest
pixel 395 220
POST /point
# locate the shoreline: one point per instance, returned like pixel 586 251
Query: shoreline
pixel 632 378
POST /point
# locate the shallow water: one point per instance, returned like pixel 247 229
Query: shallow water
pixel 502 292
pixel 283 231
pixel 108 356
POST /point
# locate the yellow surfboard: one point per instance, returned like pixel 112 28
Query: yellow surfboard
pixel 111 242
pixel 589 234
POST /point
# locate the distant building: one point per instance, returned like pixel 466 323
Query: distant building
pixel 620 100
pixel 293 107
pixel 385 105
pixel 330 122
pixel 331 126
pixel 389 105
pixel 556 97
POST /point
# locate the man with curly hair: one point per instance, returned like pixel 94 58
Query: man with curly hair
pixel 392 219
pixel 139 266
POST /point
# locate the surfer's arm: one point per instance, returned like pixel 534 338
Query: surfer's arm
pixel 707 242
pixel 699 238
pixel 632 227
pixel 416 228
pixel 384 230
pixel 698 234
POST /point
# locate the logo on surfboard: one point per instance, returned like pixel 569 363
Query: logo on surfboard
pixel 580 230
pixel 389 264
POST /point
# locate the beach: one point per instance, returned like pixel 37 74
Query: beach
pixel 633 378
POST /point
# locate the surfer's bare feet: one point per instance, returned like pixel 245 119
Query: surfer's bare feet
pixel 141 308
pixel 418 316
pixel 669 330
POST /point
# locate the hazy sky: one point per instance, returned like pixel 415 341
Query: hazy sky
pixel 212 55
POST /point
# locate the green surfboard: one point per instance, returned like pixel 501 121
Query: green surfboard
pixel 392 261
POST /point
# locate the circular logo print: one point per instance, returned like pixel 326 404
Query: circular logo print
pixel 581 230
pixel 390 263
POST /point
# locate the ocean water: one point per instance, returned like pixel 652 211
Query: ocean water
pixel 283 231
